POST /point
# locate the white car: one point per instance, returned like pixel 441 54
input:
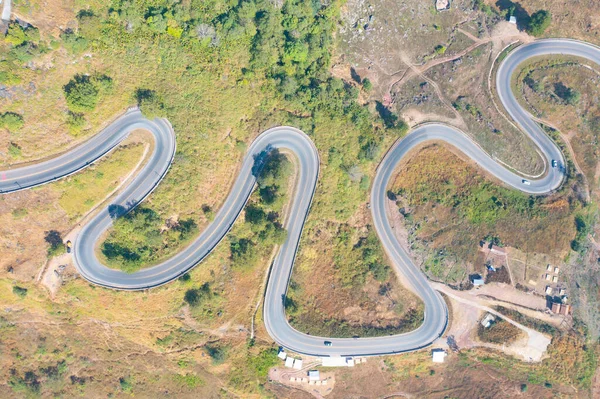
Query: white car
pixel 526 182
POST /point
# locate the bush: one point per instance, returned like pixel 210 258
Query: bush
pixel 539 22
pixel 196 296
pixel 440 49
pixel 11 121
pixel 19 291
pixel 367 85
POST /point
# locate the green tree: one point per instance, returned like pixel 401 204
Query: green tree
pixel 149 103
pixel 539 22
pixel 81 94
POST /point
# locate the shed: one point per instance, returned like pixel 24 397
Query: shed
pixel 512 19
pixel 313 375
pixel 556 270
pixel 438 355
pixel 478 281
pixel 555 279
pixel 488 320
pixel 549 268
pixel 289 362
pixel 298 364
pixel 549 290
pixel 548 277
pixel 282 355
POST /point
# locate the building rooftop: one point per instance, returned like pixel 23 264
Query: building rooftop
pixel 438 355
pixel 313 375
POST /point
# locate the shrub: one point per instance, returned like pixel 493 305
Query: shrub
pixel 11 121
pixel 367 85
pixel 539 22
pixel 19 291
pixel 440 49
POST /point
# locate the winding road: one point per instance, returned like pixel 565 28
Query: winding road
pixel 436 313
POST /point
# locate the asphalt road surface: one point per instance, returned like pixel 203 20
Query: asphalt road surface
pixel 436 313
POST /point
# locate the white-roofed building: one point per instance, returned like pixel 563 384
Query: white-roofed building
pixel 282 355
pixel 289 362
pixel 438 355
pixel 313 375
pixel 298 364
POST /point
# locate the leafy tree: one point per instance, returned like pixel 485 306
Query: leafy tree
pixel 539 22
pixel 367 85
pixel 81 94
pixel 73 42
pixel 196 296
pixel 149 103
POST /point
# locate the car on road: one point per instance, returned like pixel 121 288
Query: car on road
pixel 327 343
pixel 554 163
pixel 69 246
pixel 526 182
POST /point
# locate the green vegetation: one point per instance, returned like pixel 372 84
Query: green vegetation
pixel 440 49
pixel 499 332
pixel 189 380
pixel 19 291
pixel 367 85
pixel 83 92
pixel 141 238
pixel 262 228
pixel 14 150
pixel 527 321
pixel 196 296
pixel 55 242
pixel 539 22
pixel 218 353
pixel 11 121
pixel 126 384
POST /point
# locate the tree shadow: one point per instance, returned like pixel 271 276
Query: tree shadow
pixel 262 158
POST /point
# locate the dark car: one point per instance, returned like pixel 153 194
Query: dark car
pixel 327 343
pixel 554 163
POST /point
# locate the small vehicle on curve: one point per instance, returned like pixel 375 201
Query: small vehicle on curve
pixel 526 182
pixel 554 163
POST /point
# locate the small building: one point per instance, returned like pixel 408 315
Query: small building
pixel 548 277
pixel 549 268
pixel 298 364
pixel 512 20
pixel 488 320
pixel 442 5
pixel 282 355
pixel 438 355
pixel 313 375
pixel 563 291
pixel 556 270
pixel 549 290
pixel 561 308
pixel 555 279
pixel 477 280
pixel 289 362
